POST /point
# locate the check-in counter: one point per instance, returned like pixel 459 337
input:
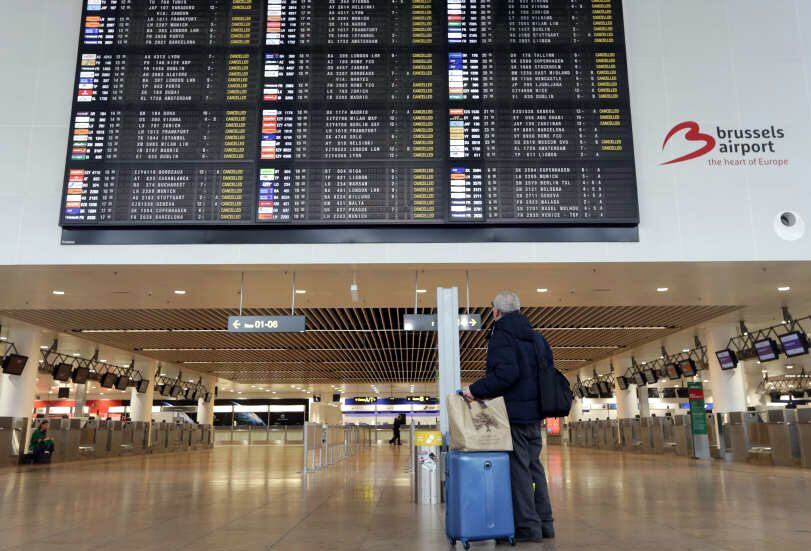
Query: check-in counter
pixel 804 436
pixel 103 430
pixel 140 437
pixel 611 435
pixel 630 434
pixel 196 437
pixel 712 434
pixel 657 434
pixel 646 429
pixel 208 435
pixel 13 439
pixel 589 434
pixel 668 434
pixel 683 435
pixel 115 436
pixel 597 434
pixel 60 433
pixel 172 437
pixel 87 439
pixel 127 446
pixel 159 438
pixel 185 436
pixel 737 430
pixel 782 429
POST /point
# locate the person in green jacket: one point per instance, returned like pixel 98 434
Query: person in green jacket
pixel 42 445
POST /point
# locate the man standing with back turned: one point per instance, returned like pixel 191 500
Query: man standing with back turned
pixel 514 354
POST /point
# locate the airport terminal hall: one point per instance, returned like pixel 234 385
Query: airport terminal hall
pixel 431 275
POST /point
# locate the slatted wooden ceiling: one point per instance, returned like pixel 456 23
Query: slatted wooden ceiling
pixel 355 345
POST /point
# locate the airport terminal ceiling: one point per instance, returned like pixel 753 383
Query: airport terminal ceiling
pixel 587 312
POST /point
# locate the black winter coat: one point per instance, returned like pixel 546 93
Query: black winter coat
pixel 512 367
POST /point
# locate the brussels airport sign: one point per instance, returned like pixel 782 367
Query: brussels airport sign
pixel 266 324
pixel 724 146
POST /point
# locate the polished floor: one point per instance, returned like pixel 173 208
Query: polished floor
pixel 254 498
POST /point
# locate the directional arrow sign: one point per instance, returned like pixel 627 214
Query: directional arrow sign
pixel 470 322
pixel 427 322
pixel 266 324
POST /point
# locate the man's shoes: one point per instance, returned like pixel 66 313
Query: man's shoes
pixel 524 538
pixel 548 530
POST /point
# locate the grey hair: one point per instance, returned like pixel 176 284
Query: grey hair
pixel 506 302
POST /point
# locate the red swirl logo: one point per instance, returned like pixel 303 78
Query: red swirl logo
pixel 694 134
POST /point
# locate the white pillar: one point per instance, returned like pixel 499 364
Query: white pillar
pixel 644 405
pixel 141 404
pixel 627 404
pixel 576 412
pixel 205 410
pixel 79 399
pixel 449 373
pixel 17 392
pixel 728 388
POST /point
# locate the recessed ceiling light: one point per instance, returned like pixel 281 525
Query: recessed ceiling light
pixel 706 381
pixel 301 291
pixel 422 291
pixel 662 289
pixel 789 367
pixel 784 289
pixel 542 290
pixel 180 291
pixel 58 293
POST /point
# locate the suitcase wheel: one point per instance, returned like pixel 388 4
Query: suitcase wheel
pixel 466 544
pixel 452 542
pixel 512 541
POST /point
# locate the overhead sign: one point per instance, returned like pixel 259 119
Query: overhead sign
pixel 470 322
pixel 266 324
pixel 419 322
pixel 427 322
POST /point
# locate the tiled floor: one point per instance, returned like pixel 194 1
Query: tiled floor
pixel 239 498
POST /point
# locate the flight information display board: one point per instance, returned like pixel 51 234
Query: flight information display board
pixel 270 114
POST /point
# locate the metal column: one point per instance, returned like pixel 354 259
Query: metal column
pixel 450 377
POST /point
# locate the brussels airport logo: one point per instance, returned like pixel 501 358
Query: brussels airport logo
pixel 688 141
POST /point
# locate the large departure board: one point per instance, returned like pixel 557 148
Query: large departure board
pixel 271 114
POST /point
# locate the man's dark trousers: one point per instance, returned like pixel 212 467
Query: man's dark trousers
pixel 530 509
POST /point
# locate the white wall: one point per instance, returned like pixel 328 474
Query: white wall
pixel 734 63
pixel 329 414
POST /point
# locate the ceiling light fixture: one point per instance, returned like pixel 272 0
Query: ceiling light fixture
pixel 542 290
pixel 784 289
pixel 422 291
pixel 58 293
pixel 180 291
pixel 662 289
pixel 301 291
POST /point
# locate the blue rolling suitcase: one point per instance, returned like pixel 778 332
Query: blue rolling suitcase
pixel 478 497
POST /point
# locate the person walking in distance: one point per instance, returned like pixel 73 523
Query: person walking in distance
pixel 398 421
pixel 514 356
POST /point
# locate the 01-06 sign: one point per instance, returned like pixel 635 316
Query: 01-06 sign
pixel 266 324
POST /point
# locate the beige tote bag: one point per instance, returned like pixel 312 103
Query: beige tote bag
pixel 479 426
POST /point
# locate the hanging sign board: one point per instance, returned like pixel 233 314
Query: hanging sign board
pixel 266 324
pixel 427 322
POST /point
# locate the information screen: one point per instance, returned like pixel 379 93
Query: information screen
pixel 350 113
